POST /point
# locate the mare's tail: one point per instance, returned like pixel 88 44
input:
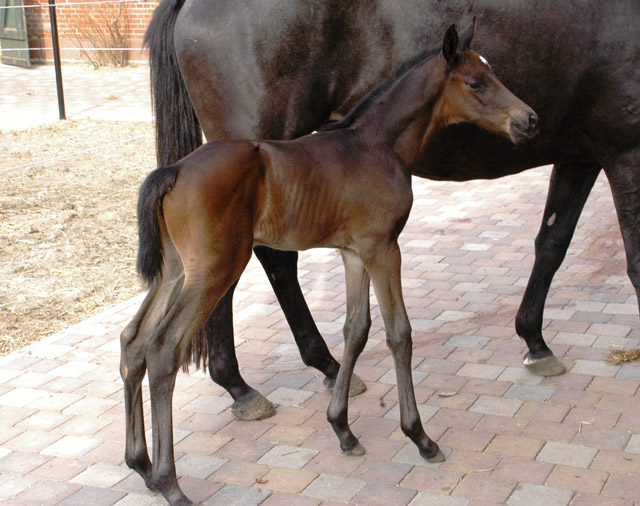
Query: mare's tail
pixel 178 131
pixel 152 191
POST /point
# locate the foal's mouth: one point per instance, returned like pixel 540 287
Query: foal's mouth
pixel 523 127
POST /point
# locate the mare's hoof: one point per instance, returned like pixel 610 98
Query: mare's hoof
pixel 258 407
pixel 438 457
pixel 356 387
pixel 547 366
pixel 357 451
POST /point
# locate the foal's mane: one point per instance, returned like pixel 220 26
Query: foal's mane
pixel 372 96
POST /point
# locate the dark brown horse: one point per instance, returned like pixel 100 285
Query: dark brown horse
pixel 348 188
pixel 279 69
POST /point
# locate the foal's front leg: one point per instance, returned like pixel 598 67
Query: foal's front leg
pixel 385 270
pixel 356 332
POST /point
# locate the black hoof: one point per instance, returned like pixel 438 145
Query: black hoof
pixel 257 407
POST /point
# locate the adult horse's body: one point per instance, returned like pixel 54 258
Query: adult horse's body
pixel 278 69
pixel 348 188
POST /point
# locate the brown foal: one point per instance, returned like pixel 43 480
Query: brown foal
pixel 348 187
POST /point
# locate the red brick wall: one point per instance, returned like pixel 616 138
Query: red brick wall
pixel 74 26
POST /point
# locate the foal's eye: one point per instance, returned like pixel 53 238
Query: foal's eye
pixel 474 85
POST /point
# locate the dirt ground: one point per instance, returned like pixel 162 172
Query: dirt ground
pixel 68 235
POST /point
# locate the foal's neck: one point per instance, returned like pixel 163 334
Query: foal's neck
pixel 405 116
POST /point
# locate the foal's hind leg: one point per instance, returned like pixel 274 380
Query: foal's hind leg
pixel 356 332
pixel 132 370
pixel 154 308
pixel 384 267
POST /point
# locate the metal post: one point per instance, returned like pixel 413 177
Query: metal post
pixel 56 57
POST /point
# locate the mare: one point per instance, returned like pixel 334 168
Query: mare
pixel 348 187
pixel 279 69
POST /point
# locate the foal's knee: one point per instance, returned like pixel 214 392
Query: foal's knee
pixel 399 342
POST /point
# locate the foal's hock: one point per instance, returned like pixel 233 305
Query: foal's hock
pixel 348 187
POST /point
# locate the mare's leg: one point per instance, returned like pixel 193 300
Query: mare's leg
pixel 249 404
pixel 356 332
pixel 625 185
pixel 384 267
pixel 281 269
pixel 569 188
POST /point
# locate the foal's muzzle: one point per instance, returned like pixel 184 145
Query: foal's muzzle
pixel 524 126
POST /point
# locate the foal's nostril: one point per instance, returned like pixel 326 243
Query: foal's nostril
pixel 533 121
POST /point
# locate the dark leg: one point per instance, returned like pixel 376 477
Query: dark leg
pixel 569 188
pixel 625 186
pixel 249 404
pixel 281 269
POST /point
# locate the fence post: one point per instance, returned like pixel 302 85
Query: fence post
pixel 56 57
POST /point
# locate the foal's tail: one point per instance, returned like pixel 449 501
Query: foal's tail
pixel 152 191
pixel 178 131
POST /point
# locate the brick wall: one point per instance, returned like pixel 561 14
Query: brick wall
pixel 85 25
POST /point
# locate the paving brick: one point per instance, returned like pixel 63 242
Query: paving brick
pixel 291 481
pixel 334 488
pixel 380 494
pixel 46 493
pixel 567 454
pixel 430 499
pixel 21 397
pixel 514 446
pixel 13 484
pixel 483 487
pixel 93 496
pixel 527 494
pixel 239 473
pixel 577 479
pixel 634 444
pixel 617 462
pixel 624 487
pixel 496 406
pixel 592 368
pixel 21 463
pixel 102 475
pixel 284 499
pixel 516 469
pixel 292 457
pixel 198 466
pixel 598 500
pixel 71 446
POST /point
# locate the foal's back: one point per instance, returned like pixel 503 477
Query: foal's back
pixel 330 189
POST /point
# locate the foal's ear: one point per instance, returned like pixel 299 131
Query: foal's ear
pixel 450 44
pixel 467 35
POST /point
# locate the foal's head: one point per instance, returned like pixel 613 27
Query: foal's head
pixel 473 93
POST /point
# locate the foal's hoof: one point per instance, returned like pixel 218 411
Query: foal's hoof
pixel 357 451
pixel 257 407
pixel 356 387
pixel 547 366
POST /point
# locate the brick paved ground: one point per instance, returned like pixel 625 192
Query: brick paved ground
pixel 510 437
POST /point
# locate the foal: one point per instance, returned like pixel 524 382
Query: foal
pixel 348 188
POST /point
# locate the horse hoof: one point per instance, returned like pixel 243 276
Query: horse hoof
pixel 438 457
pixel 357 451
pixel 356 387
pixel 258 407
pixel 547 366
